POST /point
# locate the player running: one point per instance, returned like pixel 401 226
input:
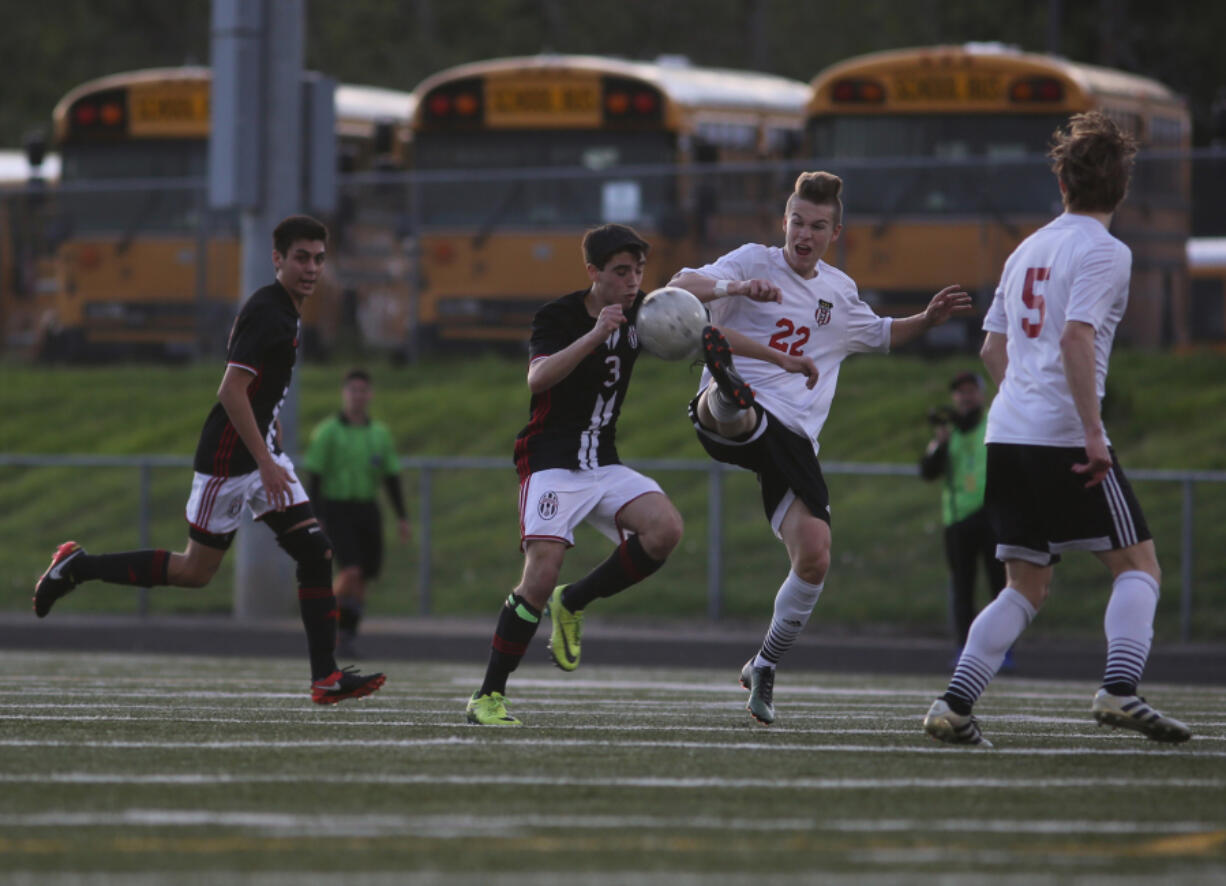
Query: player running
pixel 239 463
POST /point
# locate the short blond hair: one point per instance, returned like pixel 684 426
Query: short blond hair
pixel 822 189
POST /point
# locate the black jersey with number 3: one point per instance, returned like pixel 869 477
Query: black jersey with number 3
pixel 573 424
pixel 264 342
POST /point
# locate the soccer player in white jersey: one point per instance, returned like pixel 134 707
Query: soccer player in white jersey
pixel 1053 481
pixel 791 319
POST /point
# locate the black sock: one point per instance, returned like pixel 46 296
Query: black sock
pixel 517 623
pixel 347 618
pixel 627 565
pixel 318 608
pixel 957 704
pixel 144 569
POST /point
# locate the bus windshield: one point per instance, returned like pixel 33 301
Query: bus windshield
pixel 158 209
pixel 567 201
pixel 978 145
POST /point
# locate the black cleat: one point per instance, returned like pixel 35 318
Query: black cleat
pixel 57 580
pixel 343 684
pixel 717 354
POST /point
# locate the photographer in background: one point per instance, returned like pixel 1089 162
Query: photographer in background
pixel 957 453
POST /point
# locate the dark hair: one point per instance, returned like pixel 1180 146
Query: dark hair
pixel 602 243
pixel 1094 161
pixel 295 228
pixel 822 189
pixel 357 375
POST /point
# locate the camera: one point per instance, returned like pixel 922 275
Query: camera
pixel 940 415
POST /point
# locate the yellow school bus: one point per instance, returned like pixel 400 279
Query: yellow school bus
pixel 942 152
pixel 145 266
pixel 1207 302
pixel 516 157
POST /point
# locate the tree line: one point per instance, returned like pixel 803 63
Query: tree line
pixel 46 49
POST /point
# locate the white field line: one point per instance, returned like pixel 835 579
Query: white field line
pixel 469 825
pixel 913 730
pixel 206 779
pixel 502 739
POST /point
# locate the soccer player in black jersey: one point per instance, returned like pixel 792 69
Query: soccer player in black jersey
pixel 582 353
pixel 239 462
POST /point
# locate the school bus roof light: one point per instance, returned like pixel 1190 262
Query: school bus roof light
pixel 857 92
pixel 617 103
pixel 1036 90
pixel 466 104
pixel 440 104
pixel 112 114
pixel 644 102
pixel 86 115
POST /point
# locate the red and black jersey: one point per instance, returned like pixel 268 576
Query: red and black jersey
pixel 574 423
pixel 264 342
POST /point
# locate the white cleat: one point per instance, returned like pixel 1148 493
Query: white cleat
pixel 943 724
pixel 1133 712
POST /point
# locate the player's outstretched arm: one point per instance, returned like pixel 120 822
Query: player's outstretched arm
pixel 744 346
pixel 949 302
pixel 708 288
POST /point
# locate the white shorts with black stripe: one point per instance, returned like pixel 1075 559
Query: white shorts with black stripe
pixel 1040 508
pixel 215 506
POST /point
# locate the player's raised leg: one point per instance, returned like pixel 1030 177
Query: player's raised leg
pixel 654 527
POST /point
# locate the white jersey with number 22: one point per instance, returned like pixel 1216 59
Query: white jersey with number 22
pixel 1069 269
pixel 822 318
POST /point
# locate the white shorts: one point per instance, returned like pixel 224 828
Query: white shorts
pixel 216 503
pixel 554 501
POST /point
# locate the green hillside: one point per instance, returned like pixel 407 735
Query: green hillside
pixel 1163 412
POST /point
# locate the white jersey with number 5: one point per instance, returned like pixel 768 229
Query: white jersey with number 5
pixel 822 318
pixel 1069 269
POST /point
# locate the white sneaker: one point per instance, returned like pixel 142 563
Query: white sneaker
pixel 943 724
pixel 1133 712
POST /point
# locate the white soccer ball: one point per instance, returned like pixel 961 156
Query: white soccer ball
pixel 670 323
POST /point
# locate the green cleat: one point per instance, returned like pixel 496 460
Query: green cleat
pixel 490 710
pixel 761 685
pixel 567 632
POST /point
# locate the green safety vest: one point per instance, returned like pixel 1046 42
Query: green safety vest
pixel 965 473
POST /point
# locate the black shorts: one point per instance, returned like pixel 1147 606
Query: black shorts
pixel 784 461
pixel 1040 508
pixel 356 531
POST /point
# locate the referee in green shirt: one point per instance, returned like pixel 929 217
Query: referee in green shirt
pixel 349 457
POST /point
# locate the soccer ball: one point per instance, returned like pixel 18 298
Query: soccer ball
pixel 670 323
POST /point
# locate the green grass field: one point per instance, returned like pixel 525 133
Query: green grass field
pixel 122 770
pixel 1164 411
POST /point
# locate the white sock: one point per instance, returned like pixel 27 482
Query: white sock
pixel 1129 625
pixel 992 634
pixel 722 409
pixel 794 604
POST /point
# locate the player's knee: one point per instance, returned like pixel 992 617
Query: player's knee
pixel 312 551
pixel 664 534
pixel 188 571
pixel 812 565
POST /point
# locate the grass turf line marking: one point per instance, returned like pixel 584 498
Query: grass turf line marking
pixel 502 739
pixel 838 784
pixel 468 825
